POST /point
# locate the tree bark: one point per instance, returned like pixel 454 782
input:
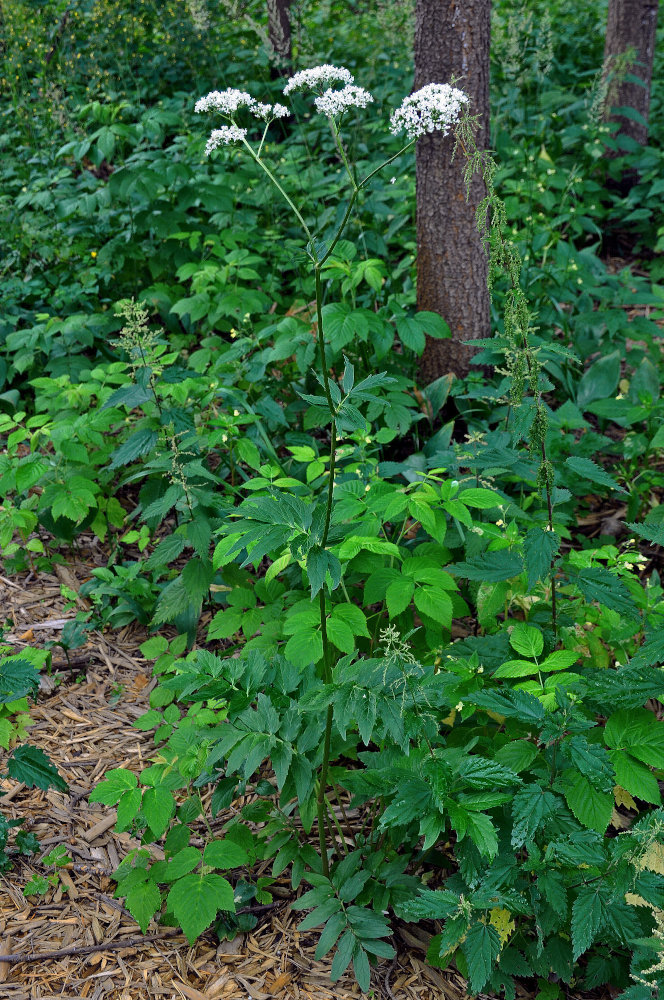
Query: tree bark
pixel 279 33
pixel 631 25
pixel 452 39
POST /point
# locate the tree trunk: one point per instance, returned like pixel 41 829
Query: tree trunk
pixel 451 40
pixel 630 26
pixel 279 33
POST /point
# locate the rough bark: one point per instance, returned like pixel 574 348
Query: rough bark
pixel 451 40
pixel 279 32
pixel 631 25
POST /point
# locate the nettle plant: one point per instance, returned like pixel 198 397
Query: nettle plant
pixel 393 769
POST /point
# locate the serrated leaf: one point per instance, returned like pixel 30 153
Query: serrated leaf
pixel 195 900
pixel 531 808
pixel 225 854
pixel 343 956
pixel 526 639
pixel 480 499
pixel 592 808
pixel 398 596
pixel 635 777
pixel 138 444
pixel 481 948
pixel 117 781
pixel 639 732
pixel 588 917
pixel 158 808
pixel 490 567
pixel 436 604
pixel 143 901
pixel 539 549
pixel 593 473
pixel 167 550
pixel 18 678
pixel 31 765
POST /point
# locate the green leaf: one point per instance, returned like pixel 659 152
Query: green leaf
pixel 599 584
pixel 399 595
pixel 225 854
pixel 480 499
pixel 304 647
pixel 526 639
pixel 560 659
pixel 355 543
pixel 143 901
pixel 343 956
pixel 361 968
pixel 129 805
pixel 18 678
pixel 592 808
pixel 32 766
pixel 635 777
pixel 353 617
pixel 638 731
pixel 481 949
pixel 589 914
pixel 436 604
pixel 138 444
pixel 195 900
pixel 531 808
pixel 158 808
pixel 330 934
pixel 117 782
pixel 516 668
pixel 539 549
pixel 593 473
pixel 411 334
pixel 600 381
pixel 490 567
pixel 169 548
pixel 181 863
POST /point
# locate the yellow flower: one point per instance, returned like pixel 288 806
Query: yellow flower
pixel 93 253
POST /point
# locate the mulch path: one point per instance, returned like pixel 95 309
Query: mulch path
pixel 85 727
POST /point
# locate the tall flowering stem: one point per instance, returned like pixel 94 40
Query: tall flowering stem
pixel 435 108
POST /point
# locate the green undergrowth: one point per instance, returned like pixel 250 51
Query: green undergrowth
pixel 416 630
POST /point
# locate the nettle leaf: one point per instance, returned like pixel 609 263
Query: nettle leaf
pixel 599 584
pixel 526 639
pixel 18 678
pixel 531 808
pixel 539 549
pixel 589 470
pixel 138 444
pixel 195 900
pixel 652 532
pixel 589 915
pixel 31 766
pixel 591 807
pixel 481 948
pixel 398 596
pixel 490 567
pixel 520 705
pixel 481 499
pixel 167 550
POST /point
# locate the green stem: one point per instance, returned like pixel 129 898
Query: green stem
pixel 266 170
pixel 321 798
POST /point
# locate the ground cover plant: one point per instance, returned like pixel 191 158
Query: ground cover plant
pixel 365 594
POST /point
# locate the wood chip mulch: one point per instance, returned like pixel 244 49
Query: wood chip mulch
pixel 85 727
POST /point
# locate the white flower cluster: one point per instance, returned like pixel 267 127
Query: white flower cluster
pixel 318 77
pixel 223 136
pixel 434 108
pixel 226 102
pixel 335 102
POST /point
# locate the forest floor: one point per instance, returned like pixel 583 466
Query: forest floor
pixel 83 722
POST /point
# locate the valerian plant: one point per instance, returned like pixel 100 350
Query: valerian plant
pixel 503 757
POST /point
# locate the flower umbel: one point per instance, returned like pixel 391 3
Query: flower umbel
pixel 318 77
pixel 224 136
pixel 335 102
pixel 434 108
pixel 226 102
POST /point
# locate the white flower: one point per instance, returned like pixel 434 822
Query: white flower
pixel 279 111
pixel 393 180
pixel 226 102
pixel 434 108
pixel 318 77
pixel 263 111
pixel 335 102
pixel 224 135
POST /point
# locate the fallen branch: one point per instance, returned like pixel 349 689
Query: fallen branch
pixel 88 949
